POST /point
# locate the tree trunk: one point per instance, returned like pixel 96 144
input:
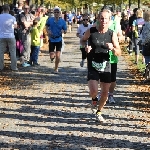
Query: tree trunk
pixel 36 2
pixel 14 2
pixel 29 2
pixel 42 2
pixel 2 2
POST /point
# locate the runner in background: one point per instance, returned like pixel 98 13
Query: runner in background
pixel 56 26
pixel 79 19
pixel 80 32
pixel 70 18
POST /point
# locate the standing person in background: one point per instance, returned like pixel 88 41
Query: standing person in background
pixel 131 19
pixel 19 10
pixel 18 31
pixel 70 18
pixel 137 28
pixel 35 43
pixel 124 25
pixel 80 32
pixel 42 24
pixel 55 27
pixel 26 23
pixel 145 37
pixel 7 37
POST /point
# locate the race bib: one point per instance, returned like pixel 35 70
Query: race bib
pixel 99 66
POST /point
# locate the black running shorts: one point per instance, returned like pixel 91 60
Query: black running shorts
pixel 113 72
pixel 95 75
pixel 53 45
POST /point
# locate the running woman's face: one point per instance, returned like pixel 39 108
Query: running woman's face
pixel 104 19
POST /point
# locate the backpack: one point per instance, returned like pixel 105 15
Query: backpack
pixel 138 28
pixel 18 34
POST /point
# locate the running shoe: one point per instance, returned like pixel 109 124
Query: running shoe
pixel 36 64
pixel 52 60
pixel 82 63
pixel 94 102
pixel 99 117
pixel 94 105
pixel 25 64
pixel 111 99
pixel 55 71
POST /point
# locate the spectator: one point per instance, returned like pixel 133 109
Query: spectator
pixel 35 44
pixel 130 35
pixel 145 37
pixel 7 38
pixel 26 22
pixel 19 10
pixel 42 23
pixel 137 28
pixel 124 25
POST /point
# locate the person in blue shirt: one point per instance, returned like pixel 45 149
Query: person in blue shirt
pixel 79 19
pixel 70 18
pixel 55 27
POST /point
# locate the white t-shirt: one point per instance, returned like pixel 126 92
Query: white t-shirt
pixel 7 23
pixel 82 29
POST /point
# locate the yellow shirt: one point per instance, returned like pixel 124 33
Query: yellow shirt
pixel 35 37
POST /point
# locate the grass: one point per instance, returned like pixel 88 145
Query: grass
pixel 140 66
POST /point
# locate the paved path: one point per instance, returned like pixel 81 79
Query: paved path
pixel 45 111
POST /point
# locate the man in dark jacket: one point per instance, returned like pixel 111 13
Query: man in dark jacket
pixel 131 19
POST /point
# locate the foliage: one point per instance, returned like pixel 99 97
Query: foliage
pixel 69 4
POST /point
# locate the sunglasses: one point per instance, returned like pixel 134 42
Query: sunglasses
pixel 56 12
pixel 85 19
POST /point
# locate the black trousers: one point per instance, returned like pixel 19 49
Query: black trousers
pixel 83 53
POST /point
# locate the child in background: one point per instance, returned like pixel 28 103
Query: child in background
pixel 35 44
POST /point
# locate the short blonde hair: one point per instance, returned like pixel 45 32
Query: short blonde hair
pixel 139 13
pixel 146 16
